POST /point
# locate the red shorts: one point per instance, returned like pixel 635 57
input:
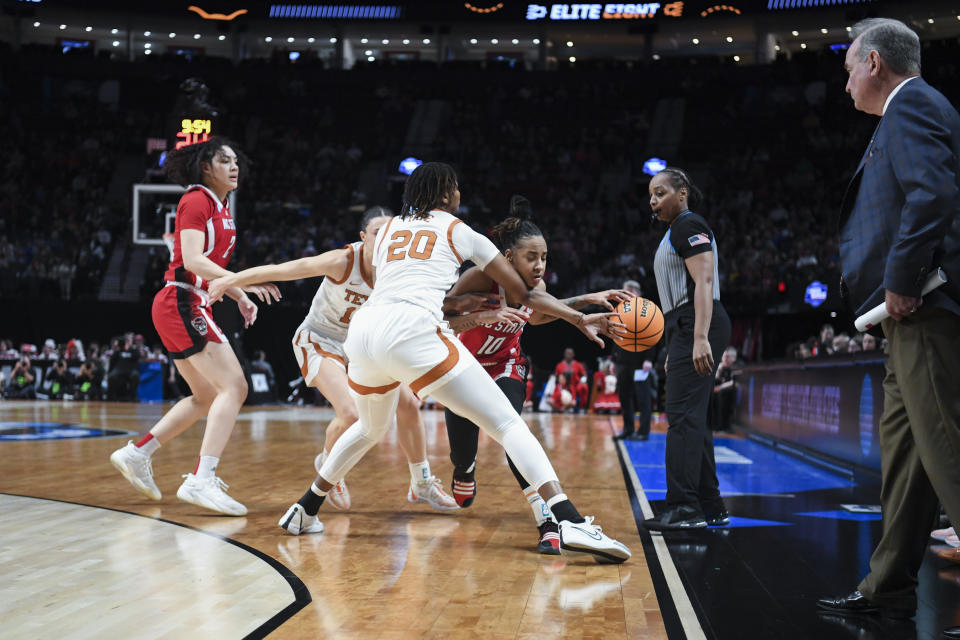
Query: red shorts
pixel 184 322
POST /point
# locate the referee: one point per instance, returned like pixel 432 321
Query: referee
pixel 698 330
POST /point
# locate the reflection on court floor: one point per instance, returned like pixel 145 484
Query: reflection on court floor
pixel 74 571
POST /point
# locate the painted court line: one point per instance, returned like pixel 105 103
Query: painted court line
pixel 688 617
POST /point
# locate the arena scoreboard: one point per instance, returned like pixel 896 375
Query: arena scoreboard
pixel 193 130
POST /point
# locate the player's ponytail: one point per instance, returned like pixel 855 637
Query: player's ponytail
pixel 509 233
pixel 679 179
pixel 185 165
pixel 520 207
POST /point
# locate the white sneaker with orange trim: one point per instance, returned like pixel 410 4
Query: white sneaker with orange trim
pixel 431 492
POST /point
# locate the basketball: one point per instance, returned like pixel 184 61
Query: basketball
pixel 644 322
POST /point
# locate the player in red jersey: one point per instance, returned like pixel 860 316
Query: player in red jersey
pixel 204 239
pixel 493 336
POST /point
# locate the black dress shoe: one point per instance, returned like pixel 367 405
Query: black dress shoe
pixel 622 436
pixel 718 519
pixel 951 632
pixel 852 603
pixel 855 603
pixel 676 519
pixel 639 437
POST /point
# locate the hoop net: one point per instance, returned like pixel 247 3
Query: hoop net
pixel 168 240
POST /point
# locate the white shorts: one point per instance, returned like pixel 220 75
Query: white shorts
pixel 311 348
pixel 390 344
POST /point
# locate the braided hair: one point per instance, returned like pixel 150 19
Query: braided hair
pixel 425 189
pixel 374 212
pixel 185 165
pixel 509 233
pixel 679 180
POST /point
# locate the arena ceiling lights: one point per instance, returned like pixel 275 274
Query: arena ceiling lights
pixel 337 11
pixel 774 5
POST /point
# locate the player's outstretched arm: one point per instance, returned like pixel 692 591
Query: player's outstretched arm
pixel 331 263
pixel 503 273
pixel 609 299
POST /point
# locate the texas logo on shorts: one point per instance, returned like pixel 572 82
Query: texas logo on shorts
pixel 200 325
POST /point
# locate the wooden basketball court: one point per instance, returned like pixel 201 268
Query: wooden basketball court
pixel 122 567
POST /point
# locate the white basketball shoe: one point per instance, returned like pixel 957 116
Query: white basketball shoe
pixel 431 492
pixel 296 521
pixel 209 493
pixel 586 538
pixel 339 496
pixel 135 467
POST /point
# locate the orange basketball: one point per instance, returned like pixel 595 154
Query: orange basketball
pixel 644 322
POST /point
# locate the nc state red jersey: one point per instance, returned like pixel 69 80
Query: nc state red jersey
pixel 497 345
pixel 199 209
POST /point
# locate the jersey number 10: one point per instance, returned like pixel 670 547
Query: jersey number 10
pixel 490 346
pixel 420 245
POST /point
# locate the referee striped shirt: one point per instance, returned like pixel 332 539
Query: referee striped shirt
pixel 687 236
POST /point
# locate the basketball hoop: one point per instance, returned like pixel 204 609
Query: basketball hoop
pixel 168 240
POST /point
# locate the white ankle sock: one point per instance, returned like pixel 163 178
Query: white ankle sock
pixel 206 467
pixel 420 471
pixel 557 498
pixel 149 448
pixel 317 490
pixel 541 512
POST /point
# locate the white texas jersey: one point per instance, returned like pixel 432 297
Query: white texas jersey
pixel 418 261
pixel 336 300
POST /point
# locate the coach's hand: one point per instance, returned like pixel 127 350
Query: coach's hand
pixel 900 307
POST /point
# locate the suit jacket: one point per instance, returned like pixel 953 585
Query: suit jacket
pixel 900 216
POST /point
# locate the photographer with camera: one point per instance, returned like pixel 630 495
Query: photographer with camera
pixel 89 380
pixel 60 380
pixel 20 384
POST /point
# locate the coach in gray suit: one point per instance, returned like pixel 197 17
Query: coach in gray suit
pixel 900 219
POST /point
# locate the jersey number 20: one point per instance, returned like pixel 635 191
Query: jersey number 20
pixel 404 243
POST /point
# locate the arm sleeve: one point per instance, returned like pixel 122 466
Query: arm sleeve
pixel 473 246
pixel 690 235
pixel 193 211
pixel 924 165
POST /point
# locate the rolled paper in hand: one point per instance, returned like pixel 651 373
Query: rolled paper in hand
pixel 873 317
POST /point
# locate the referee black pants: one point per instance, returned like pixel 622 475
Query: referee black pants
pixel 691 469
pixel 634 396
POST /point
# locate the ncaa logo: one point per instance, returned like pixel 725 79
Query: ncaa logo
pixel 200 325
